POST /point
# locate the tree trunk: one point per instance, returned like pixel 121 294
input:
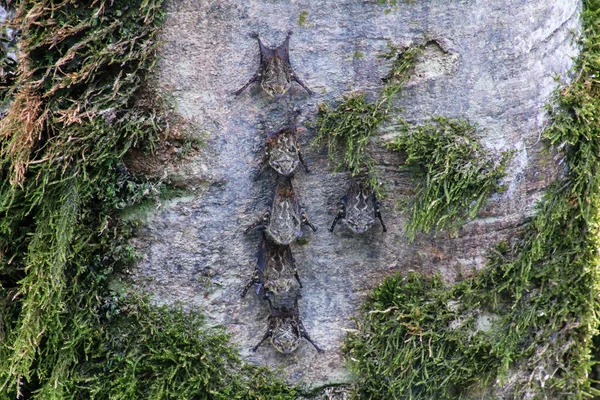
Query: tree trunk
pixel 491 63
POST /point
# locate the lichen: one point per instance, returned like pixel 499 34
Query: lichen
pixel 543 288
pixel 454 173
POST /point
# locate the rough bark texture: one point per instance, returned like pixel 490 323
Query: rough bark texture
pixel 493 63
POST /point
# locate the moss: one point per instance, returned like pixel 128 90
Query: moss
pixel 454 174
pixel 347 128
pixel 65 334
pixel 145 352
pixel 303 18
pixel 61 143
pixel 76 108
pixel 416 343
pixel 358 54
pixel 419 338
pixel 302 241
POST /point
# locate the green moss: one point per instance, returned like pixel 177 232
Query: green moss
pixel 420 339
pixel 145 352
pixel 62 140
pixel 416 343
pixel 392 3
pixel 347 128
pixel 358 54
pixel 303 18
pixel 302 242
pixel 454 174
pixel 402 66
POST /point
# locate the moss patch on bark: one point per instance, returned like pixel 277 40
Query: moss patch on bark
pixel 454 173
pixel 522 328
pixel 347 128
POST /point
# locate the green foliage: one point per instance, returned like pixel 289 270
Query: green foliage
pixel 77 105
pixel 347 128
pixel 540 294
pixel 402 66
pixel 454 173
pixel 61 144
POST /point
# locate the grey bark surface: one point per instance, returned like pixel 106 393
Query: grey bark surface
pixel 493 63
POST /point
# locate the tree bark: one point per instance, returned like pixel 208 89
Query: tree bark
pixel 491 63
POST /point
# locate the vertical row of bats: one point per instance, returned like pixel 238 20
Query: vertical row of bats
pixel 276 276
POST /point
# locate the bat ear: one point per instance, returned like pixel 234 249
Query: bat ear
pixel 286 42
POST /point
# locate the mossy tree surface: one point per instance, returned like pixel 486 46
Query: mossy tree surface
pixel 523 328
pixel 348 128
pixel 65 334
pixel 454 173
pixel 76 109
